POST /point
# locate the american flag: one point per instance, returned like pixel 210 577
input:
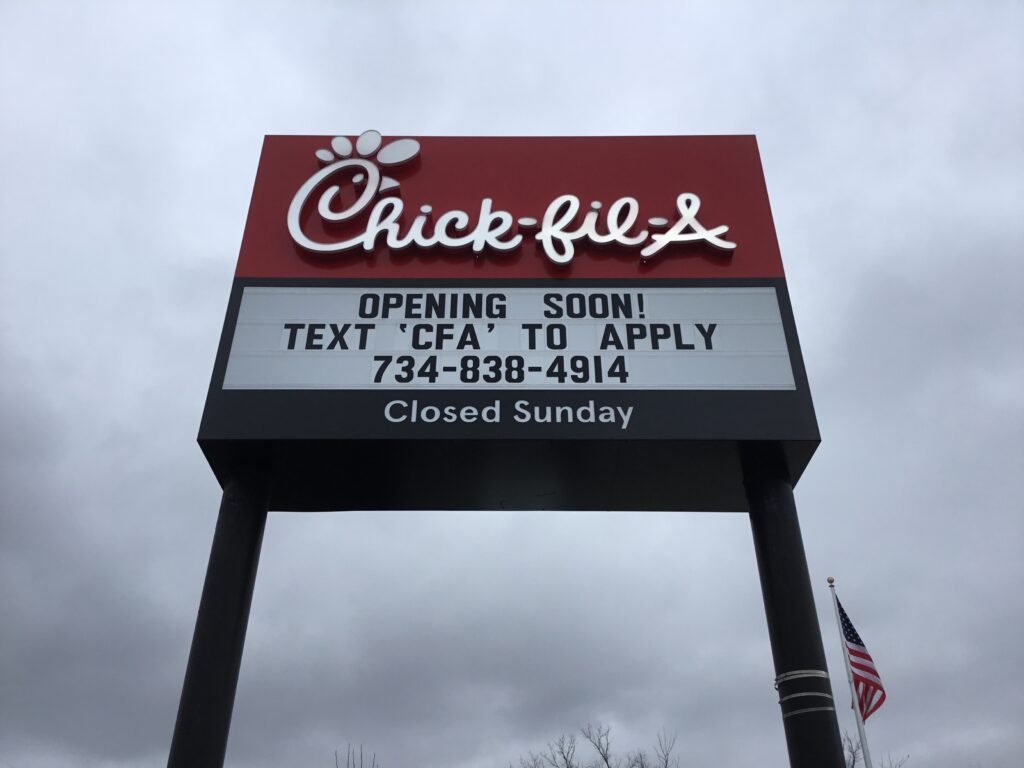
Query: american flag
pixel 870 693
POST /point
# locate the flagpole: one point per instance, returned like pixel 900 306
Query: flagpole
pixel 854 704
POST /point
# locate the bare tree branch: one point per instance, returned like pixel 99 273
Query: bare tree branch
pixel 890 763
pixel 600 739
pixel 851 751
pixel 663 752
pixel 562 753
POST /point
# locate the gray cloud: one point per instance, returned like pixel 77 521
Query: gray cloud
pixel 129 139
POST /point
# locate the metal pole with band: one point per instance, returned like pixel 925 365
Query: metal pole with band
pixel 805 693
pixel 208 694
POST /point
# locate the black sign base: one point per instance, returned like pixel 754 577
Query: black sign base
pixel 805 693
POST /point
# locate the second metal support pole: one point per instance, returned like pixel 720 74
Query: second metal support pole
pixel 805 693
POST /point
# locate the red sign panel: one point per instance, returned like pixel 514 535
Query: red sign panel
pixel 576 207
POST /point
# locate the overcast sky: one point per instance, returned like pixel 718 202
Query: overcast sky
pixel 129 136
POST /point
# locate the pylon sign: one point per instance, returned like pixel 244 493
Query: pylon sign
pixel 522 323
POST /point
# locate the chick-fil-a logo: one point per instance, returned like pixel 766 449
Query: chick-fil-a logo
pixel 557 232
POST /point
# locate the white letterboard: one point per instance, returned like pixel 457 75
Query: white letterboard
pixel 709 338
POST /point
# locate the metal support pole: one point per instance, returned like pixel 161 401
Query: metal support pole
pixel 805 693
pixel 208 695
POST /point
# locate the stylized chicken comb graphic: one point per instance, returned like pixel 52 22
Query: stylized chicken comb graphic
pixel 368 146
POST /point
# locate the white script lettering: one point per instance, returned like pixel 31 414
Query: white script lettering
pixel 494 229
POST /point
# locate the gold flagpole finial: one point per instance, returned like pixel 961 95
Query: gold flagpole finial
pixel 831 581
